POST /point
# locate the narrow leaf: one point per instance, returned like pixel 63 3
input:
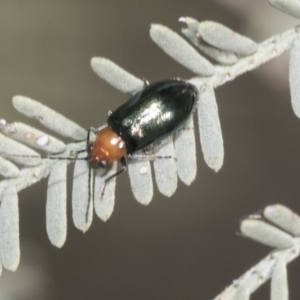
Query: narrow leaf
pixel 33 137
pixel 9 229
pixel 56 207
pixel 8 169
pixel 116 76
pixel 49 118
pixel 82 195
pixel 13 150
pixel 191 32
pixel 185 153
pixel 141 180
pixel 180 50
pixel 266 234
pixel 165 168
pixel 104 205
pixel 283 217
pixel 290 7
pixel 294 77
pixel 210 129
pixel 225 39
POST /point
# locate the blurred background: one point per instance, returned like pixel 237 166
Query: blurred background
pixel 185 247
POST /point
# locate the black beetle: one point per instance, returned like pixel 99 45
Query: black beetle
pixel 148 117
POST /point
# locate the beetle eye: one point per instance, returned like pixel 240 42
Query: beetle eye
pixel 98 164
pixel 102 163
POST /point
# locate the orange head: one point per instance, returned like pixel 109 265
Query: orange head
pixel 107 147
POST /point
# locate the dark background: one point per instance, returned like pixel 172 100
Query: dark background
pixel 185 247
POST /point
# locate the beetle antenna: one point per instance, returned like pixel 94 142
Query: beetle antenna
pixel 5 155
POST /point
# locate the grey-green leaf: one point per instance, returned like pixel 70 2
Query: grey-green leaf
pixel 266 234
pixel 49 118
pixel 165 168
pixel 9 229
pixel 104 205
pixel 33 137
pixel 139 172
pixel 8 169
pixel 225 39
pixel 191 32
pixel 56 206
pixel 82 192
pixel 18 153
pixel 290 7
pixel 176 47
pixel 210 129
pixel 116 76
pixel 185 153
pixel 294 77
pixel 283 217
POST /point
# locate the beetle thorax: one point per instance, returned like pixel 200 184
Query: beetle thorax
pixel 107 147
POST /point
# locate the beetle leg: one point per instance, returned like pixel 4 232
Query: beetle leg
pixel 90 194
pixel 123 168
pixel 183 129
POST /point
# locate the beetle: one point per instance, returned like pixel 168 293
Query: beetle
pixel 146 119
pixel 152 114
